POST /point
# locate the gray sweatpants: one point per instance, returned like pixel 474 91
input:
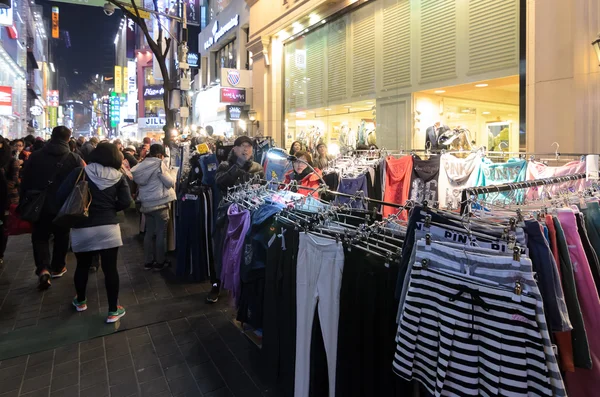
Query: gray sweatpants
pixel 156 225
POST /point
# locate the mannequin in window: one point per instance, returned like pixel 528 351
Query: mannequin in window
pixel 432 135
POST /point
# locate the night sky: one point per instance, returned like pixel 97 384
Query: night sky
pixel 92 37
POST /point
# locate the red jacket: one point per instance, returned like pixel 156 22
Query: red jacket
pixel 312 181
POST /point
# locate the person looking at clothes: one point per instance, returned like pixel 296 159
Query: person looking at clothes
pixel 156 190
pixel 323 158
pixel 239 168
pixel 302 174
pixel 99 234
pixel 296 146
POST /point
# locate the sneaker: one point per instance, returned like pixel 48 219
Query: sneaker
pixel 158 267
pixel 80 306
pixel 59 274
pixel 213 295
pixel 44 280
pixel 149 266
pixel 113 317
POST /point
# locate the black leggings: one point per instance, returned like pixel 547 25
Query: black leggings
pixel 111 275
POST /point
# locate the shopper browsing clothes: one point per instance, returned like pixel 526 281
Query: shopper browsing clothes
pixel 156 191
pixel 239 168
pixel 46 169
pixel 303 175
pixel 99 234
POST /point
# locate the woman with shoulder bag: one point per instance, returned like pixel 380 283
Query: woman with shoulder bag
pixel 155 191
pixel 99 233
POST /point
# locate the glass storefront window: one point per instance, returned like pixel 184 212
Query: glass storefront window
pixel 382 74
pixel 154 108
pixel 226 58
pixel 149 76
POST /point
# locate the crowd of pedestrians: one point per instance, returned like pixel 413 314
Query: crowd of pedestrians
pixel 115 174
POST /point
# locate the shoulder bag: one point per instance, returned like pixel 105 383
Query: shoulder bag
pixel 76 207
pixel 31 206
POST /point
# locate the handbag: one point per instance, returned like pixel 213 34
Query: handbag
pixel 30 207
pixel 15 225
pixel 76 207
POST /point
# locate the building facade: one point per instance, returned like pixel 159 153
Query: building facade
pixel 385 72
pixel 224 89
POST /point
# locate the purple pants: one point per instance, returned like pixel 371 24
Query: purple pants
pixel 583 382
pixel 233 246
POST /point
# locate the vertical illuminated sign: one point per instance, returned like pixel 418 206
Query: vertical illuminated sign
pixel 118 79
pixel 55 31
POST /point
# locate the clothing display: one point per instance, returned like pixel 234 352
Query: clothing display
pixel 455 175
pixel 424 180
pixel 397 182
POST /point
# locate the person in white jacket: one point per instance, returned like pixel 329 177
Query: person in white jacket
pixel 156 191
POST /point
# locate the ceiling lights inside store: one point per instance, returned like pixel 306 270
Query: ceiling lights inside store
pixel 439 91
pixel 485 112
pixel 481 85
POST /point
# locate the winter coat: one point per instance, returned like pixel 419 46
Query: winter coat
pixel 109 192
pixel 155 184
pixel 40 167
pixel 311 180
pixel 85 151
pixel 230 173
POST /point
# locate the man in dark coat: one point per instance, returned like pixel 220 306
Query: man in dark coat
pixel 46 169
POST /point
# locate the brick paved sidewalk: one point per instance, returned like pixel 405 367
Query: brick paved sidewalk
pixel 196 355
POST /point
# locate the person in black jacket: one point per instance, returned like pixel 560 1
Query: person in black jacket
pixel 100 233
pixel 54 159
pixel 88 148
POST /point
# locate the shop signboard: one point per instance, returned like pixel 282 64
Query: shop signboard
pixel 236 78
pixel 131 89
pixel 192 59
pixel 55 32
pixel 118 79
pixel 151 123
pixel 153 91
pixel 52 116
pixel 115 109
pixel 219 31
pixel 6 16
pixel 193 12
pixel 130 39
pixel 36 110
pixel 6 101
pixel 233 95
pixel 52 98
pixel 235 113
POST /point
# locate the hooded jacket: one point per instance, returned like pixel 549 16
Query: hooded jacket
pixel 40 167
pixel 311 180
pixel 109 192
pixel 156 185
pixel 230 173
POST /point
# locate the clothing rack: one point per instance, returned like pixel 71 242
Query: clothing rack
pixel 475 191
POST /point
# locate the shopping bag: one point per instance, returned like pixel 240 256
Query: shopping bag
pixel 15 225
pixel 75 209
pixel 30 207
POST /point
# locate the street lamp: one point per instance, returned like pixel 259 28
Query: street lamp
pixel 596 45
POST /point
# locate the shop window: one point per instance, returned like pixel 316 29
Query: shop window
pixel 384 74
pixel 149 77
pixel 226 57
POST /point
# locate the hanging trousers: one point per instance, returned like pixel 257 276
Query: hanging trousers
pixel 318 282
pixel 583 382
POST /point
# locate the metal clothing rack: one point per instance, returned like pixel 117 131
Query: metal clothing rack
pixel 506 187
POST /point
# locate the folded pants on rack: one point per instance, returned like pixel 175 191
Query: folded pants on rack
pixel 590 253
pixel 318 281
pixel 221 225
pixel 367 328
pixel 488 342
pixel 279 324
pixel 583 382
pixel 353 186
pixel 581 349
pixel 193 255
pixel 548 279
pixel 502 270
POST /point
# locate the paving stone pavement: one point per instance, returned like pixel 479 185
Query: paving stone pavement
pixel 199 355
